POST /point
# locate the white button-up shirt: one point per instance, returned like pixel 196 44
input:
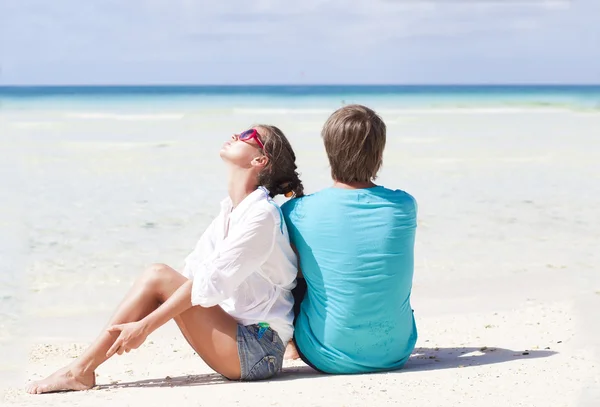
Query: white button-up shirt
pixel 244 263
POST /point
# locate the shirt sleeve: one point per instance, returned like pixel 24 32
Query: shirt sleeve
pixel 287 209
pixel 244 250
pixel 203 248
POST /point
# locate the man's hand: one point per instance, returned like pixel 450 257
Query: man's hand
pixel 131 336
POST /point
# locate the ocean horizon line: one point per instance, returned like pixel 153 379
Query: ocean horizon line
pixel 305 85
pixel 286 91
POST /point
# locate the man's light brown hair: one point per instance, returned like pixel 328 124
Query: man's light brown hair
pixel 354 137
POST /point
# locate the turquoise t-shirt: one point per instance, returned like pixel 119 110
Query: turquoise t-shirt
pixel 356 250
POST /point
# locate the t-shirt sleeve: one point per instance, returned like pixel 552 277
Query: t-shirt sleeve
pixel 415 203
pixel 203 247
pixel 405 197
pixel 288 210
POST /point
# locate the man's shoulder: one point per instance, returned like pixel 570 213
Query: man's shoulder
pixel 296 204
pixel 398 196
pixel 289 206
pixel 400 193
pixel 329 198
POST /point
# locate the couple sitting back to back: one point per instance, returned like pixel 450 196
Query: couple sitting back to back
pixel 329 274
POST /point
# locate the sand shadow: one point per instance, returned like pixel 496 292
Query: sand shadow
pixel 178 381
pixel 422 359
pixel 452 358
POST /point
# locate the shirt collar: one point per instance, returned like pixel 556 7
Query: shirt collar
pixel 226 205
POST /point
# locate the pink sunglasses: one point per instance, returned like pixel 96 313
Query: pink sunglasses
pixel 249 135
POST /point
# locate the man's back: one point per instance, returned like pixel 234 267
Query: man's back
pixel 356 253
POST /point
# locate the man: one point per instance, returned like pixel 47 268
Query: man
pixel 355 242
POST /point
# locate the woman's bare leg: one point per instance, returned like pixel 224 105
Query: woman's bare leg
pixel 211 332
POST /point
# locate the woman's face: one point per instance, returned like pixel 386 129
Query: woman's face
pixel 242 151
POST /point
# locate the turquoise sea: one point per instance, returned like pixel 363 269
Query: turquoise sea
pixel 300 97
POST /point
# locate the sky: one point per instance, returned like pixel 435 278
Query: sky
pixel 299 42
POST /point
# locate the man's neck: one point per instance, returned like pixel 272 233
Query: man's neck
pixel 353 185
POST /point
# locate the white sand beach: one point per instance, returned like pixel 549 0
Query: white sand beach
pixel 507 280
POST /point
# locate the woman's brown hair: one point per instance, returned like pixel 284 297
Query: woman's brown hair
pixel 279 175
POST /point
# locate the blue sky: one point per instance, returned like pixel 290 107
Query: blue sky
pixel 299 42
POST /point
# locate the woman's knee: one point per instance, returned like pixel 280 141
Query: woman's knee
pixel 154 275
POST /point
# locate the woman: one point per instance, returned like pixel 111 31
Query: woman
pixel 232 301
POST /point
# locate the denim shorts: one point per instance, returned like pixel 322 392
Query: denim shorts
pixel 259 358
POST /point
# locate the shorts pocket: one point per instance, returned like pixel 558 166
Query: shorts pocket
pixel 263 369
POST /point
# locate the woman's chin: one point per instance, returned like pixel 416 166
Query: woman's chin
pixel 226 156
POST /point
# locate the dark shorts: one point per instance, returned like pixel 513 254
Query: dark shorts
pixel 259 358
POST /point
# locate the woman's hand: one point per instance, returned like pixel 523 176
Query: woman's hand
pixel 131 336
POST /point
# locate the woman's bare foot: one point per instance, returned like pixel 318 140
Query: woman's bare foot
pixel 291 353
pixel 64 379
